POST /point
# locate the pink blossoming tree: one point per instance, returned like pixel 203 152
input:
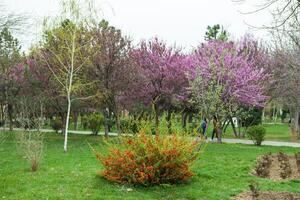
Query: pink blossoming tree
pixel 226 75
pixel 162 76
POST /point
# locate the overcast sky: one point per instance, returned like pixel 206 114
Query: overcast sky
pixel 180 21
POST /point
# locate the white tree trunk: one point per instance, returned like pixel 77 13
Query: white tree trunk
pixel 67 124
pixel 69 91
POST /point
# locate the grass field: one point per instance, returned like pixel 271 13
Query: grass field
pixel 274 132
pixel 221 172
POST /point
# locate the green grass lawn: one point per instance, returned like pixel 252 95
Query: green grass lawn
pixel 278 132
pixel 274 132
pixel 221 172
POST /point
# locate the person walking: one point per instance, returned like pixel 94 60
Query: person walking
pixel 204 127
pixel 215 128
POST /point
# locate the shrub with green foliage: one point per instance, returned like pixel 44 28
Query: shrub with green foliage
pixel 95 121
pixel 56 125
pixel 129 125
pixel 150 160
pixel 257 134
pixel 251 117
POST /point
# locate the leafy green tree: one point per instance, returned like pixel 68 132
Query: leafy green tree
pixel 65 51
pixel 216 32
pixel 10 56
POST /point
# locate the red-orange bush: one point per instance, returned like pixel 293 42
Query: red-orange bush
pixel 148 160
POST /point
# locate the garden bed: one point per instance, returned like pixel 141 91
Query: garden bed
pixel 268 195
pixel 278 166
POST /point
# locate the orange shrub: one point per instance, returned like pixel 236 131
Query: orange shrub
pixel 147 160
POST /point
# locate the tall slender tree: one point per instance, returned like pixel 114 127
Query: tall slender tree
pixel 65 51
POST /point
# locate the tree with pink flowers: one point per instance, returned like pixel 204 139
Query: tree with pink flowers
pixel 226 75
pixel 162 78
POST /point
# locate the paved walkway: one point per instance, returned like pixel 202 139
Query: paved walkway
pixel 225 140
pixel 268 143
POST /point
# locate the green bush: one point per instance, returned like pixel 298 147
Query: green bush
pixel 129 125
pixel 95 121
pixel 56 125
pixel 257 134
pixel 252 117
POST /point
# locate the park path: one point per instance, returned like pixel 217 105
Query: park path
pixel 225 140
pixel 267 143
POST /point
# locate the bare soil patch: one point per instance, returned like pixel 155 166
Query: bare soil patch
pixel 268 196
pixel 278 166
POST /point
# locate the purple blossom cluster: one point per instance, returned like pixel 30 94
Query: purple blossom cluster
pixel 240 67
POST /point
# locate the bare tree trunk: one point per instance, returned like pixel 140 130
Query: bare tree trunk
pixel 184 119
pixel 296 122
pixel 168 118
pixel 75 115
pixel 224 128
pixel 6 102
pixel 156 117
pixel 67 123
pixel 3 116
pixel 233 127
pixel 10 116
pixel 190 117
pixel 2 112
pixel 219 134
pixel 219 130
pixel 41 117
pixel 117 117
pixel 109 124
pixel 263 115
pixel 275 114
pixel 106 128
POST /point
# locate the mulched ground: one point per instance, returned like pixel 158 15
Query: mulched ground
pixel 276 168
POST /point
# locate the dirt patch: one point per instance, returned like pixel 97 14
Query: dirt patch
pixel 263 167
pixel 278 166
pixel 297 157
pixel 268 196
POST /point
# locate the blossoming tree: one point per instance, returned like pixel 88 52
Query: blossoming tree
pixel 226 75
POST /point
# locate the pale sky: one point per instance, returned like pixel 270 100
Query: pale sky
pixel 182 22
